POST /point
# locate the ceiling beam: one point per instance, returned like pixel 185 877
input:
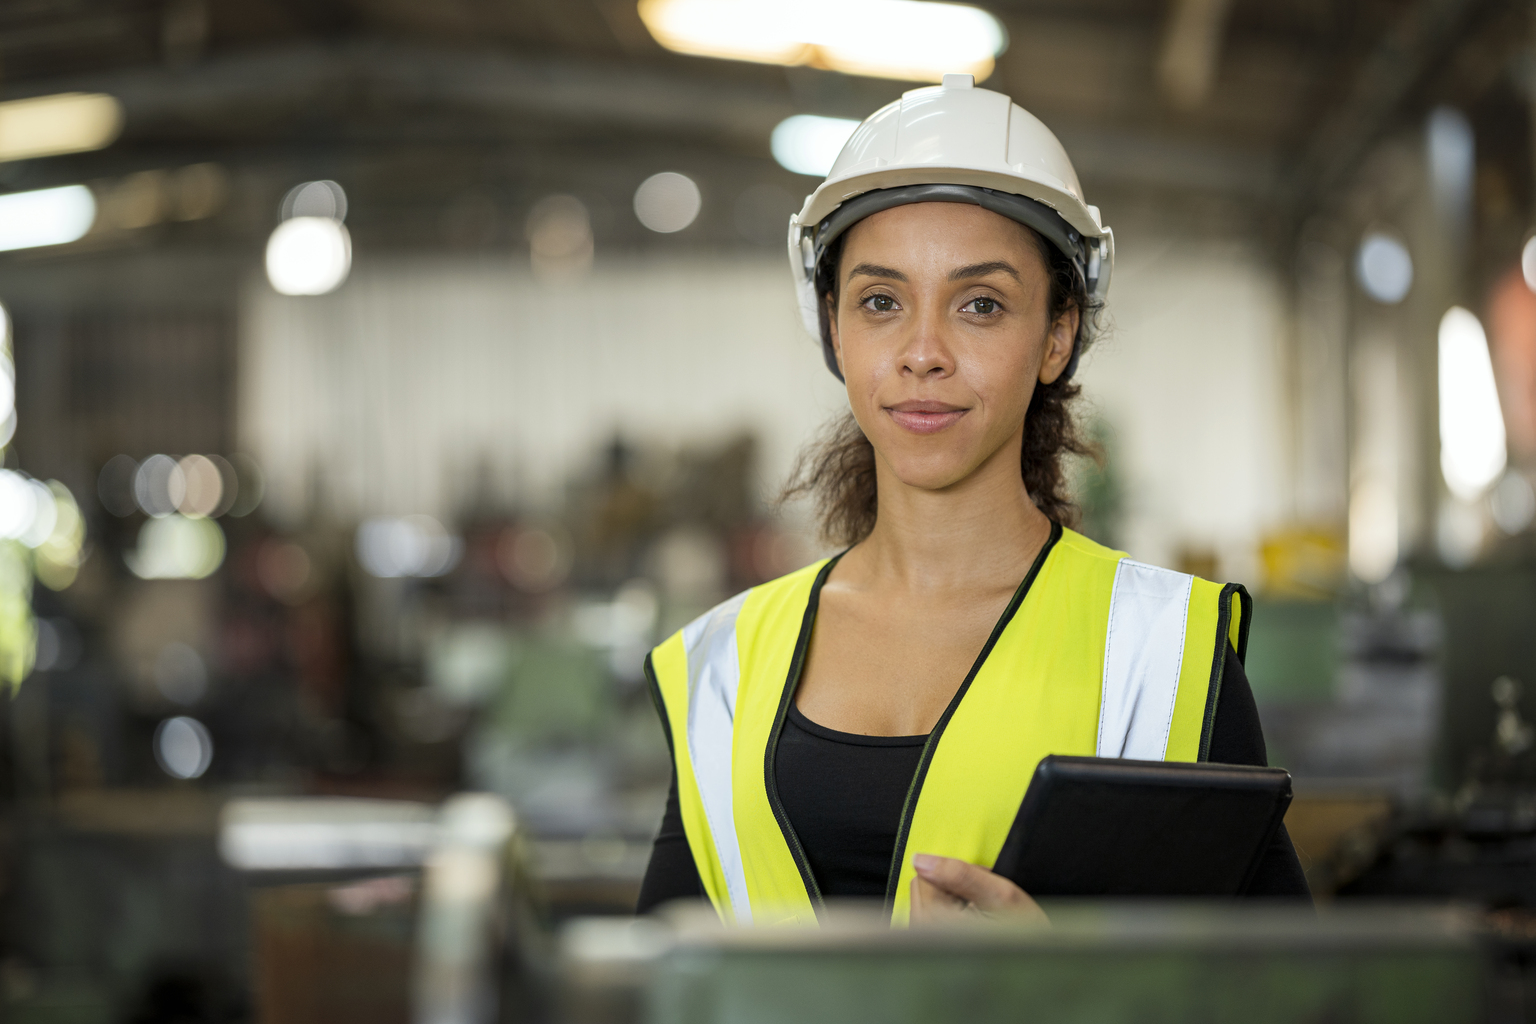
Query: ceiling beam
pixel 1420 39
pixel 1191 50
pixel 302 79
pixel 371 92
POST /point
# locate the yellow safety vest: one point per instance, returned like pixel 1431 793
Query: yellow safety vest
pixel 1096 654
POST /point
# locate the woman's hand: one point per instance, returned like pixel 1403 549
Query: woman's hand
pixel 946 889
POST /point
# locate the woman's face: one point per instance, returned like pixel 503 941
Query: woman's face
pixel 942 330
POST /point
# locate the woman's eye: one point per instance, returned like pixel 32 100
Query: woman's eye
pixel 982 305
pixel 880 303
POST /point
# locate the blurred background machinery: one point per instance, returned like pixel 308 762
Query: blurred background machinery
pixel 1095 962
pixel 378 381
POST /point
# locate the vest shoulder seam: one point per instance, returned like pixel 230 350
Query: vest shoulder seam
pixel 1087 547
pixel 787 580
pixel 796 578
pixel 1078 544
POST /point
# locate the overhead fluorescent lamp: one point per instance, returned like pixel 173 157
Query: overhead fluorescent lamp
pixel 906 39
pixel 70 122
pixel 49 216
pixel 807 144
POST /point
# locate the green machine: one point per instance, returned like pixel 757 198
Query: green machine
pixel 1100 963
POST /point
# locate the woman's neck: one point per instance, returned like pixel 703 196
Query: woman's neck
pixel 983 531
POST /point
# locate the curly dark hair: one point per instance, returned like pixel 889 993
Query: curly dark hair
pixel 837 470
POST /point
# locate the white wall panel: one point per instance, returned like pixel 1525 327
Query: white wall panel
pixel 1189 378
pixel 390 394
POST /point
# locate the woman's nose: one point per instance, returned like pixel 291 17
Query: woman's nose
pixel 925 350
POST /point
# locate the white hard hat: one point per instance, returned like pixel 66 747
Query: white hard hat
pixel 951 143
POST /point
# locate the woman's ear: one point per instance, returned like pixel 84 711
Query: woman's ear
pixel 1059 344
pixel 837 344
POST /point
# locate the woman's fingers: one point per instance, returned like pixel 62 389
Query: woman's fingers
pixel 967 883
pixel 931 904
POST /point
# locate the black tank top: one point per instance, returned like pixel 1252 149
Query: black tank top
pixel 843 794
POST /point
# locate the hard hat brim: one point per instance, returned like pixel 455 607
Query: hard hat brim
pixel 1029 212
pixel 1032 213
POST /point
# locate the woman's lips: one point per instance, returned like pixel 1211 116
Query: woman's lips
pixel 924 417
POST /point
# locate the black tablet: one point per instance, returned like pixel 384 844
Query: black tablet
pixel 1102 826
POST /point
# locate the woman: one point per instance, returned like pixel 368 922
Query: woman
pixel 868 725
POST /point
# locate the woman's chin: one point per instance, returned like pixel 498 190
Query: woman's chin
pixel 931 471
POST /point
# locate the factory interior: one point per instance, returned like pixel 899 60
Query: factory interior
pixel 367 421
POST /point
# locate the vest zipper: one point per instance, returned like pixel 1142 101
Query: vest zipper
pixel 914 790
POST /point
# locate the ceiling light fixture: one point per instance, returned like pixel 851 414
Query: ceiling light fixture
pixel 308 256
pixel 47 216
pixel 310 252
pixel 905 39
pixel 807 144
pixel 69 122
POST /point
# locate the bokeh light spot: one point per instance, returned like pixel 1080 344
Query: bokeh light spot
pixel 177 548
pixel 308 256
pixel 183 747
pixel 559 231
pixel 315 199
pixel 667 202
pixel 389 547
pixel 1384 268
pixel 808 144
pixel 158 486
pixel 1472 441
pixel 203 486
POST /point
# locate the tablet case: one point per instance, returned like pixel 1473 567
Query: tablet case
pixel 1098 826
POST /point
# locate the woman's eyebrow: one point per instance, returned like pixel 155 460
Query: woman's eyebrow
pixel 875 270
pixel 983 269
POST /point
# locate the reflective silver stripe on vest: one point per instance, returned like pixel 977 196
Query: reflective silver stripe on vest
pixel 713 674
pixel 1143 653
